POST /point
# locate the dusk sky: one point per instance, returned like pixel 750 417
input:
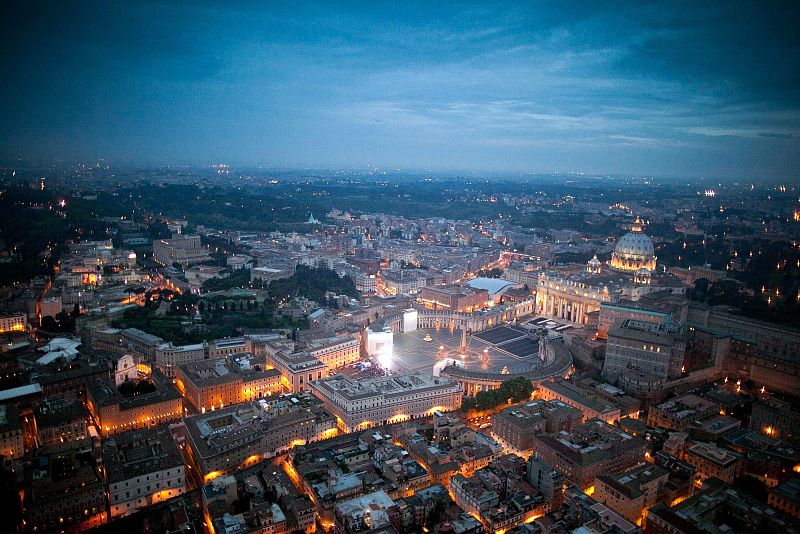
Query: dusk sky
pixel 676 89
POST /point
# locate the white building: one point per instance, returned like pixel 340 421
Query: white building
pixel 358 405
pixel 380 344
pixel 496 287
pixel 240 261
pixel 185 250
pixel 125 370
pixel 410 318
pixel 267 274
pixel 297 369
pixel 366 283
pixel 368 512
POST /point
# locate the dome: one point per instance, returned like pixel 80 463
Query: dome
pixel 593 266
pixel 642 276
pixel 635 245
pixel 634 251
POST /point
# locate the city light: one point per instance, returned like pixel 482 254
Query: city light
pixel 453 273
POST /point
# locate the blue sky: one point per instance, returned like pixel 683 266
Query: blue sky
pixel 669 89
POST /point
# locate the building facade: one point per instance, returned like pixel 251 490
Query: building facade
pixel 114 412
pixel 169 356
pixel 363 404
pixel 242 435
pixel 591 449
pixel 185 250
pixel 517 425
pixel 64 490
pixel 572 298
pixel 656 349
pixel 591 406
pixel 335 352
pixel 12 444
pixel 17 322
pixel 142 467
pixel 60 420
pixel 633 491
pixel 711 461
pixel 297 369
pixel 208 384
pixel 454 298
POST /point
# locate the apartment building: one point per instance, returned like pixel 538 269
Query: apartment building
pixel 592 448
pixel 185 250
pixel 208 384
pixel 335 352
pixel 142 467
pixel 591 405
pixel 517 425
pixel 239 436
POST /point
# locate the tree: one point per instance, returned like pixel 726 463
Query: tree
pixel 726 292
pixel 312 284
pixel 517 390
pixel 700 292
pixel 490 273
pixel 49 324
pixel 159 230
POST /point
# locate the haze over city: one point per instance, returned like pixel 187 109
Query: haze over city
pixel 661 89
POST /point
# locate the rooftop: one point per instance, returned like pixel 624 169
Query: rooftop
pixel 721 508
pixel 789 489
pixel 492 285
pixel 21 391
pixel 629 483
pixel 139 452
pixel 105 393
pixel 238 367
pixel 686 406
pixel 57 411
pixel 574 393
pixel 713 453
pixel 214 432
pixel 383 385
pixel 523 415
pixel 647 331
pixel 592 442
pixel 371 501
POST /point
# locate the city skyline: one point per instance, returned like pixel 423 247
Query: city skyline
pixel 649 90
pixel 400 268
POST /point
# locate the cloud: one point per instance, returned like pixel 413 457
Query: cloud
pixel 741 132
pixel 630 87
